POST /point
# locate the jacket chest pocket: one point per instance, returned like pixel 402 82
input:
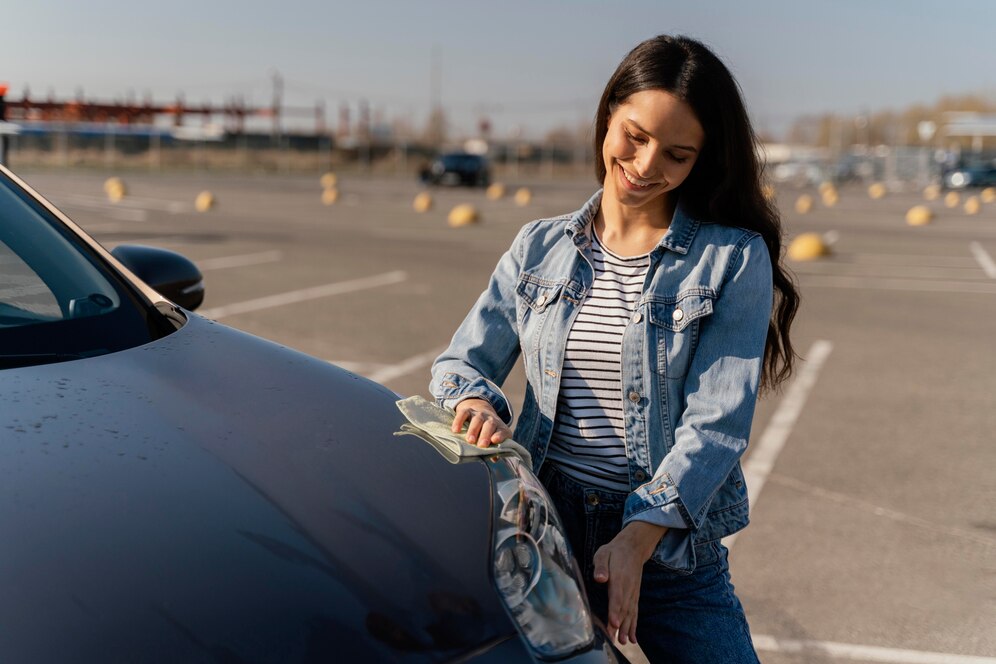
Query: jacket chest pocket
pixel 676 321
pixel 535 300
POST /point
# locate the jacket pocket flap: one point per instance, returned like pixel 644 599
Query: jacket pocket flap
pixel 675 313
pixel 538 295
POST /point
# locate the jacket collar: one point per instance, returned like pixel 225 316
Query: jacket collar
pixel 678 237
pixel 581 219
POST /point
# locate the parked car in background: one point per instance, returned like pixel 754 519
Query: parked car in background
pixel 174 490
pixel 458 168
pixel 971 175
pixel 798 173
pixel 852 168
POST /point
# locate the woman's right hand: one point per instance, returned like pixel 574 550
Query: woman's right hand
pixel 485 427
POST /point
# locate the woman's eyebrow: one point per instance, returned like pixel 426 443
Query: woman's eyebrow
pixel 633 122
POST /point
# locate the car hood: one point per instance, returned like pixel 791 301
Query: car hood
pixel 213 496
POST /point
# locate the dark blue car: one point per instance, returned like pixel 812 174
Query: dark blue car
pixel 174 490
pixel 458 168
pixel 975 175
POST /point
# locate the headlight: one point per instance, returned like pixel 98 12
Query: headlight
pixel 533 569
pixel 959 179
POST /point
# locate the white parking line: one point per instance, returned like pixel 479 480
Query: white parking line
pixel 404 367
pixel 762 460
pixel 917 260
pixel 102 228
pixel 892 271
pixel 863 653
pixel 922 285
pixel 305 294
pixel 383 373
pixel 984 259
pixel 173 207
pixel 108 210
pixel 360 368
pixel 885 512
pixel 243 260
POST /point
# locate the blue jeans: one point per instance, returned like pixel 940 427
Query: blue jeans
pixel 683 617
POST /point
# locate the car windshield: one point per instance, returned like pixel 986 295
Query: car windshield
pixel 461 162
pixel 978 162
pixel 57 301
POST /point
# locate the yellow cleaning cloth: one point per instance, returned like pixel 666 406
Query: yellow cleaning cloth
pixel 433 425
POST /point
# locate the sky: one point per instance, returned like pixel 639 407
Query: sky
pixel 527 66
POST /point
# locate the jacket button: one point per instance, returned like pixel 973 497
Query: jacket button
pixel 634 397
pixel 677 314
pixel 637 317
pixel 541 300
pixel 592 499
pixel 639 475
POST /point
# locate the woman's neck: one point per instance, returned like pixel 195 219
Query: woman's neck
pixel 628 231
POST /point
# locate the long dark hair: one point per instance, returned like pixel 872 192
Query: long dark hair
pixel 725 184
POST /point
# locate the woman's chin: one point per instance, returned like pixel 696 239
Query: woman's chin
pixel 655 197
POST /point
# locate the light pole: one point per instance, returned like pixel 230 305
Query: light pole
pixel 4 145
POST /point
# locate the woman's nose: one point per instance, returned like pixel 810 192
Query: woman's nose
pixel 647 164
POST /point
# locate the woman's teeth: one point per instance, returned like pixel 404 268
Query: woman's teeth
pixel 633 181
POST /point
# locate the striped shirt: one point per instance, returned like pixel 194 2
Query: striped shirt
pixel 589 435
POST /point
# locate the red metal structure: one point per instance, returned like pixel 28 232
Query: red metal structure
pixel 234 112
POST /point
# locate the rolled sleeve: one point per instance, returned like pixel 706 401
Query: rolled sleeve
pixel 485 346
pixel 720 395
pixel 454 388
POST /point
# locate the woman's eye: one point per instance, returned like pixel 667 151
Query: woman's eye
pixel 677 159
pixel 634 138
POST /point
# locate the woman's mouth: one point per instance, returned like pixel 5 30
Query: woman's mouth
pixel 634 183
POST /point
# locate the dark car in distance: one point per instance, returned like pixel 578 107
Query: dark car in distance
pixel 175 490
pixel 458 168
pixel 981 174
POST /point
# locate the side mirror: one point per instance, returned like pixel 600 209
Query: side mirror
pixel 171 274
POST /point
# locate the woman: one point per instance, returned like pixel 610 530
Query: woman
pixel 648 321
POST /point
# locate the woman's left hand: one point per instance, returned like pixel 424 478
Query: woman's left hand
pixel 620 564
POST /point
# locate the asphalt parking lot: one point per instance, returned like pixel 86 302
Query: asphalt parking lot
pixel 873 535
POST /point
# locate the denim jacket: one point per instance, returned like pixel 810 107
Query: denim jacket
pixel 691 361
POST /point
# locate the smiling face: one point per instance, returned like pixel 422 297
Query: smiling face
pixel 651 144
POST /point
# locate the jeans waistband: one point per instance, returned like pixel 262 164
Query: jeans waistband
pixel 569 490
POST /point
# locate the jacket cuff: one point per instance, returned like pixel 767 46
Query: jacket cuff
pixel 453 388
pixel 658 501
pixel 668 516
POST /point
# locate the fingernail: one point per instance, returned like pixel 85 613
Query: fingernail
pixel 470 439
